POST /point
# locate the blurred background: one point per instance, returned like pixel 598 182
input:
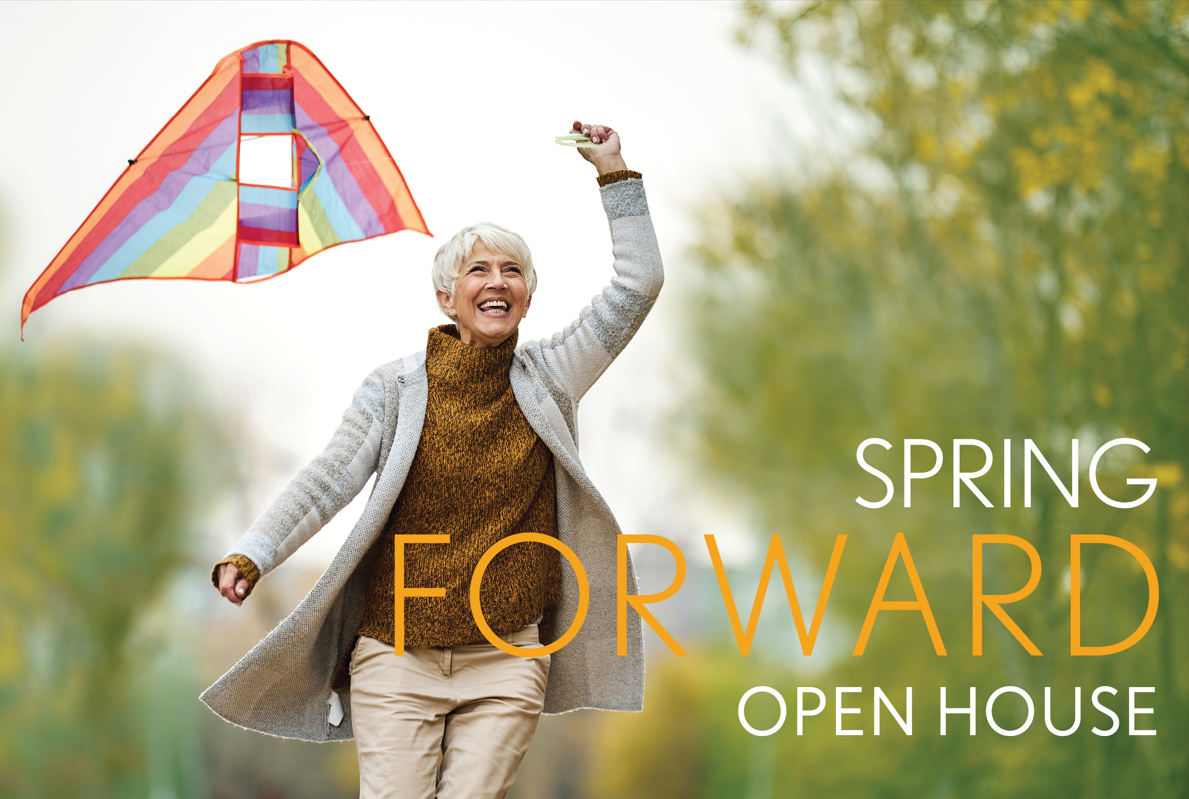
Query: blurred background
pixel 879 219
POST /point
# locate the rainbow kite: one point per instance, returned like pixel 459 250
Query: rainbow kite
pixel 179 210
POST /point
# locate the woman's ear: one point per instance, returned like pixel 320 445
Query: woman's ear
pixel 447 302
pixel 527 303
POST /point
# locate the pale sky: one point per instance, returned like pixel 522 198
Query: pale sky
pixel 468 98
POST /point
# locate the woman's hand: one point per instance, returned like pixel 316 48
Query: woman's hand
pixel 606 156
pixel 231 584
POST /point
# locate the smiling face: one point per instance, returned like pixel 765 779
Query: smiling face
pixel 490 297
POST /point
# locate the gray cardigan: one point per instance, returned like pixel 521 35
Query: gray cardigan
pixel 283 685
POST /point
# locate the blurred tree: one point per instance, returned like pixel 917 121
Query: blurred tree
pixel 109 462
pixel 1002 258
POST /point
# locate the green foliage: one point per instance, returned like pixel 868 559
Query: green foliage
pixel 108 461
pixel 1001 259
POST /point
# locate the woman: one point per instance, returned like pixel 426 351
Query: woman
pixel 473 440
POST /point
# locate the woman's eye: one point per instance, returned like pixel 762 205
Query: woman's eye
pixel 515 269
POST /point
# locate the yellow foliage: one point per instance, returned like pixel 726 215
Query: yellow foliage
pixel 1168 474
pixel 345 767
pixel 1048 86
pixel 1138 10
pixel 61 477
pixel 1042 13
pixel 1100 76
pixel 10 645
pixel 1056 167
pixel 1080 9
pixel 1065 134
pixel 1179 555
pixel 1098 79
pixel 926 146
pixel 1079 95
pixel 1151 280
pixel 1029 169
pixel 957 157
pixel 1149 159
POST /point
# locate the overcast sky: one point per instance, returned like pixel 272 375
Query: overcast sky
pixel 468 98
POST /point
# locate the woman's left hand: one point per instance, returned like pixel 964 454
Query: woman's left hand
pixel 606 157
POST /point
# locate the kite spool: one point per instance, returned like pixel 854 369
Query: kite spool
pixel 574 140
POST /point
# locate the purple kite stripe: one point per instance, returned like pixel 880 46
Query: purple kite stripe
pixel 252 60
pixel 268 216
pixel 277 101
pixel 353 198
pixel 249 256
pixel 199 164
pixel 309 164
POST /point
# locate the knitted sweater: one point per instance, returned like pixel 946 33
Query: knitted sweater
pixel 480 474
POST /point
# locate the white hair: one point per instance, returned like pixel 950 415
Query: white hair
pixel 451 256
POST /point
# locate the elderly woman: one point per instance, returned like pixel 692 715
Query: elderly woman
pixel 473 440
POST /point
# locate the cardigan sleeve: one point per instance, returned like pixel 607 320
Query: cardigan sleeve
pixel 575 357
pixel 321 489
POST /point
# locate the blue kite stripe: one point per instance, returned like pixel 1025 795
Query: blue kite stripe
pixel 263 195
pixel 266 123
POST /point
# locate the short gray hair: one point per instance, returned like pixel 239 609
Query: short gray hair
pixel 451 256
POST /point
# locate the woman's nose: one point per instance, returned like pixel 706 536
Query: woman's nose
pixel 496 279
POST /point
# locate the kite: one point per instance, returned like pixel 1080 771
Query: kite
pixel 179 210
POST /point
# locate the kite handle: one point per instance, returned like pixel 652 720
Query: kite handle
pixel 574 140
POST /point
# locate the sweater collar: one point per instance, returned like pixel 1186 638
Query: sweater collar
pixel 448 360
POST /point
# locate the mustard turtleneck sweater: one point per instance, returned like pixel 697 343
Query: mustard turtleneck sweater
pixel 480 474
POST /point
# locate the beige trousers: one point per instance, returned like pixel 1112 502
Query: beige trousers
pixel 451 723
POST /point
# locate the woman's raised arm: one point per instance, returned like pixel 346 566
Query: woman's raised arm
pixel 574 358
